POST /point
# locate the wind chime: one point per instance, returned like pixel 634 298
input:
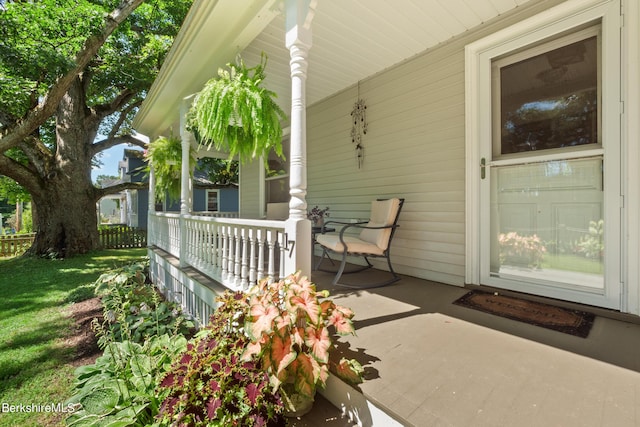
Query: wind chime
pixel 359 127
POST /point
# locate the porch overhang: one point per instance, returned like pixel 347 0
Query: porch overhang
pixel 351 42
pixel 213 33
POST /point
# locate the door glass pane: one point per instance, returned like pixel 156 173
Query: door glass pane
pixel 547 223
pixel 550 100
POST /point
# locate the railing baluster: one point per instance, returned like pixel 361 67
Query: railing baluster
pixel 271 245
pixel 282 243
pixel 261 239
pixel 225 251
pixel 237 259
pixel 244 266
pixel 252 256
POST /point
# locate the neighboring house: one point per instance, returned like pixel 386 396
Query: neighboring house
pixel 510 127
pixel 208 197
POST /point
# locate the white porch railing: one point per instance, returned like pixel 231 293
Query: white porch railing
pixel 234 252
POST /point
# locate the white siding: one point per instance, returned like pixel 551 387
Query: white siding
pixel 251 194
pixel 414 148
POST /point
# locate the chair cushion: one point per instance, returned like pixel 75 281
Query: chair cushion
pixel 383 213
pixel 354 244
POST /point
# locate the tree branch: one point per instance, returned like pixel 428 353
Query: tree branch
pixel 47 107
pixel 101 192
pixel 123 116
pixel 37 153
pixel 103 110
pixel 105 144
pixel 21 174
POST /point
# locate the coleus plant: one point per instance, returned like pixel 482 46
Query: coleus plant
pixel 208 384
pixel 288 323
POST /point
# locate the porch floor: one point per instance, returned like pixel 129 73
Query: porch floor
pixel 431 363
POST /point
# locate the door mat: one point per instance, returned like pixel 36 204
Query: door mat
pixel 560 319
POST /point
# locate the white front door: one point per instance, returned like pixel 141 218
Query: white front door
pixel 549 205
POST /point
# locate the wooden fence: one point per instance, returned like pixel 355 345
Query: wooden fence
pixel 122 236
pixel 15 244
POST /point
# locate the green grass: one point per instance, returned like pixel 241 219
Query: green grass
pixel 34 365
pixel 572 263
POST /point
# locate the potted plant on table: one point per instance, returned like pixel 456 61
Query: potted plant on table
pixel 288 323
pixel 316 215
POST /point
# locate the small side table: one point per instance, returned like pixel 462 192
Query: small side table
pixel 314 231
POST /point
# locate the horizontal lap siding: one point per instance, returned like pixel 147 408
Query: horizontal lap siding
pixel 414 148
pixel 251 188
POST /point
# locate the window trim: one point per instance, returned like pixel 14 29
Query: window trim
pixel 554 42
pixel 208 195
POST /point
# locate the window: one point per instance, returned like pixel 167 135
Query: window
pixel 547 97
pixel 277 176
pixel 213 200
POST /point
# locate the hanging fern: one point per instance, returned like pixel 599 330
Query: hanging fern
pixel 165 155
pixel 234 113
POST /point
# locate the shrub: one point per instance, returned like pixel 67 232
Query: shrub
pixel 517 250
pixel 140 335
pixel 119 389
pixel 209 384
pixel 133 309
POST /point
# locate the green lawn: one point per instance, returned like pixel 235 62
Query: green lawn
pixel 572 263
pixel 34 368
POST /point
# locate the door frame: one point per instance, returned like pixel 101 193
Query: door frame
pixel 478 121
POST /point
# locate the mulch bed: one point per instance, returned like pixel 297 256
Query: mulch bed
pixel 81 336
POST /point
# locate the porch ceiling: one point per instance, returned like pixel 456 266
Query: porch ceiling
pixel 352 40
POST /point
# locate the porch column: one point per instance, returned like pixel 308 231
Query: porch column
pixel 151 207
pixel 185 178
pixel 299 14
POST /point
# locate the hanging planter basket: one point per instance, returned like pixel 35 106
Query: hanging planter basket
pixel 165 155
pixel 234 113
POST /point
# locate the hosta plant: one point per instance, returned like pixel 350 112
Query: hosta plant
pixel 208 384
pixel 290 325
pixel 119 389
pixel 133 309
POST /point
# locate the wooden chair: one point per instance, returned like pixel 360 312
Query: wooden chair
pixel 374 241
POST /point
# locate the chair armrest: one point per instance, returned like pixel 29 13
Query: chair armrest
pixel 340 223
pixel 363 227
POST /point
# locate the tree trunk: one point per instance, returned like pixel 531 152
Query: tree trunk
pixel 65 221
pixel 65 217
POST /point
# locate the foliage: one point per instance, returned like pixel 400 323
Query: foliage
pixel 11 191
pixel 119 389
pixel 26 220
pixel 70 71
pixel 220 171
pixel 133 309
pixel 288 323
pixel 235 113
pixel 208 385
pixel 34 367
pixel 521 249
pixel 592 245
pixel 140 335
pixel 81 293
pixel 165 156
pixel 316 213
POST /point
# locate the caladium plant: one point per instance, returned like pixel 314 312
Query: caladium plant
pixel 289 324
